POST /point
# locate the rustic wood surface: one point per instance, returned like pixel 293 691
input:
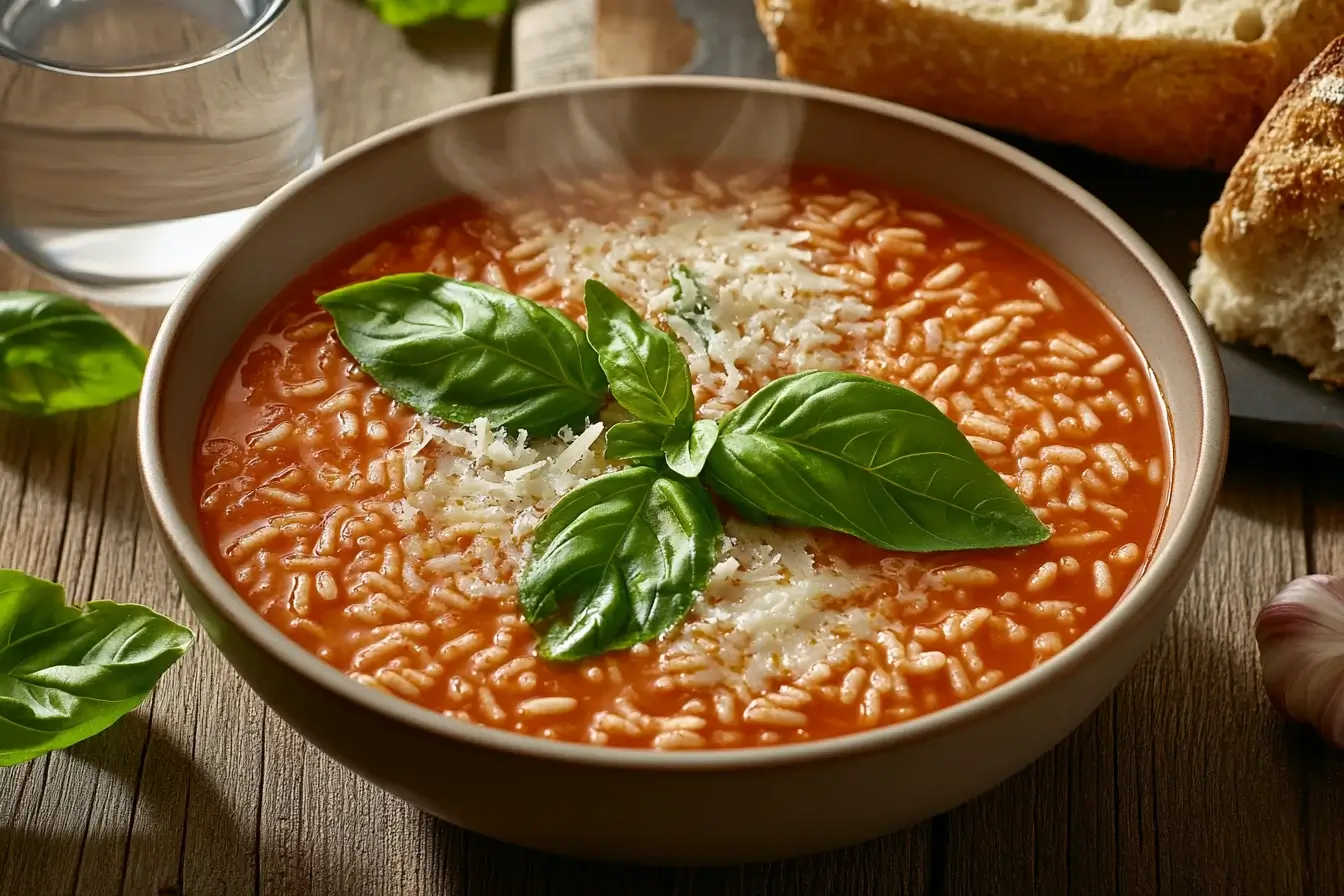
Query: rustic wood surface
pixel 1183 782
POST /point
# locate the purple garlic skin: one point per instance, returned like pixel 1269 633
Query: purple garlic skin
pixel 1301 637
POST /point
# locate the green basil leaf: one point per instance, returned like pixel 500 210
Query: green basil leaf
pixel 29 605
pixel 59 355
pixel 690 301
pixel 648 374
pixel 67 673
pixel 459 351
pixel 637 442
pixel 687 449
pixel 405 13
pixel 630 550
pixel 863 456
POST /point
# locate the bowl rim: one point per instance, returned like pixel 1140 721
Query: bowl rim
pixel 1143 599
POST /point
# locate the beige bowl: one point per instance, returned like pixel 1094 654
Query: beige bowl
pixel 696 807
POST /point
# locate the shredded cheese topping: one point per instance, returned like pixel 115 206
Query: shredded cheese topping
pixel 774 607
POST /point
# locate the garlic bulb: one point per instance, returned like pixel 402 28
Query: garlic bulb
pixel 1301 638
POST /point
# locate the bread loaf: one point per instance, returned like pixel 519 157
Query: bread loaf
pixel 1175 83
pixel 1272 266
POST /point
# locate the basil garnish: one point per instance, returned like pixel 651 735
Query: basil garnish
pixel 863 456
pixel 690 301
pixel 650 378
pixel 688 448
pixel 684 447
pixel 647 373
pixel 67 673
pixel 459 351
pixel 629 550
pixel 59 355
pixel 619 560
pixel 637 442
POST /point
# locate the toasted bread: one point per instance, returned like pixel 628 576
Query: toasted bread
pixel 1174 83
pixel 1272 265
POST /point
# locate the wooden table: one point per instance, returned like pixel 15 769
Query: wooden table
pixel 1183 782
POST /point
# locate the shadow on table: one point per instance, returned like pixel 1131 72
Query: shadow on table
pixel 893 865
pixel 1168 208
pixel 78 461
pixel 444 40
pixel 115 808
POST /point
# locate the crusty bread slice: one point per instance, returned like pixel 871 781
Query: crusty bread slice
pixel 1272 268
pixel 1176 83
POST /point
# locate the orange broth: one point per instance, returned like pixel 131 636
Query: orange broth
pixel 299 472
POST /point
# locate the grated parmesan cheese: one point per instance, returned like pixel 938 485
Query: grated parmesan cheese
pixel 772 612
pixel 773 608
pixel 495 489
pixel 771 312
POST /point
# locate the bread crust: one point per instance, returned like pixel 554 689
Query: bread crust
pixel 1289 184
pixel 1164 101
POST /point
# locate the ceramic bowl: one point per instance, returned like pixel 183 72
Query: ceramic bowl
pixel 690 807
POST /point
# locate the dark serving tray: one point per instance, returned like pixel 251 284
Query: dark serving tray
pixel 1271 398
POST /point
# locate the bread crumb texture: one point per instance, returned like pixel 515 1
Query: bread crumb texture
pixel 1272 269
pixel 1175 83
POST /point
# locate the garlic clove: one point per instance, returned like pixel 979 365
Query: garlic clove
pixel 1300 633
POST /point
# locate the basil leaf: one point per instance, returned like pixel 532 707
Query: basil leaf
pixel 404 13
pixel 67 673
pixel 459 351
pixel 59 355
pixel 687 449
pixel 690 301
pixel 648 374
pixel 863 456
pixel 636 441
pixel 630 550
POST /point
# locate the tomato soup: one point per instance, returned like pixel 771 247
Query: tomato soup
pixel 387 543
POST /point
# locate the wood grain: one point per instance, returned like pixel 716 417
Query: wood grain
pixel 201 790
pixel 1184 782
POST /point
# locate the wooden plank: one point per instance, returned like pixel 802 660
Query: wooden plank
pixel 896 865
pixel 1321 766
pixel 69 826
pixel 320 829
pixel 1014 838
pixel 1178 783
pixel 202 790
pixel 372 77
pixel 1207 794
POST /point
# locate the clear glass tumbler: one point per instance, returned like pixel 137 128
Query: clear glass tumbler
pixel 135 135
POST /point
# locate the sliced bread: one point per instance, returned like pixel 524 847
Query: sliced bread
pixel 1176 83
pixel 1272 268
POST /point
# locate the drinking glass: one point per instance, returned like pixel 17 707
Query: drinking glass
pixel 135 135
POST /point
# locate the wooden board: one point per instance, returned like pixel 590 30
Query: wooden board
pixel 1184 782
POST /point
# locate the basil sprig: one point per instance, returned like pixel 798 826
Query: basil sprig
pixel 67 673
pixel 687 450
pixel 860 455
pixel 619 560
pixel 650 378
pixel 58 355
pixel 636 441
pixel 459 351
pixel 631 550
pixel 647 373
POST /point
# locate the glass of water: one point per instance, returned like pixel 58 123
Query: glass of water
pixel 136 135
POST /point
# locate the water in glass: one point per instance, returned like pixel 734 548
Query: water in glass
pixel 135 135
